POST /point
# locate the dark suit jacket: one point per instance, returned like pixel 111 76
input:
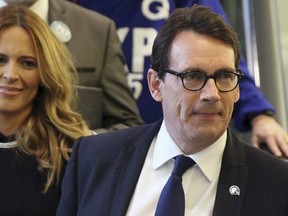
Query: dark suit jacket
pixel 103 171
pixel 97 50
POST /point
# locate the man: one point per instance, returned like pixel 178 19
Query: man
pixel 97 50
pixel 138 22
pixel 194 75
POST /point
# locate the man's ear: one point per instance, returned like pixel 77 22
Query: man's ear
pixel 237 94
pixel 154 84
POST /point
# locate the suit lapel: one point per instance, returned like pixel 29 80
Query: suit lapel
pixel 129 166
pixel 60 10
pixel 233 174
pixel 55 10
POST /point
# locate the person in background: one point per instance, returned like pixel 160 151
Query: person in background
pixel 194 75
pixel 37 124
pixel 92 39
pixel 138 23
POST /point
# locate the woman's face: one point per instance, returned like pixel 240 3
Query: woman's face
pixel 19 74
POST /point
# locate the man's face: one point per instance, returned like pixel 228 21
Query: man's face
pixel 21 2
pixel 196 119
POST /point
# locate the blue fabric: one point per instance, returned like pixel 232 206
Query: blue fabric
pixel 172 198
pixel 138 22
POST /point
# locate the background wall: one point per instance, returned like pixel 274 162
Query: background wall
pixel 269 23
pixel 264 39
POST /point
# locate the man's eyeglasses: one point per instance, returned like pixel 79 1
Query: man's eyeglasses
pixel 195 80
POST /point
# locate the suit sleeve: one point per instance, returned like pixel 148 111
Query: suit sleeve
pixel 120 108
pixel 98 56
pixel 252 101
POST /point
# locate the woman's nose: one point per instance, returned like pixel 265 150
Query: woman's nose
pixel 9 72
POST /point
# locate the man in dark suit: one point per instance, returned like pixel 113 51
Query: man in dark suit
pixel 93 41
pixel 138 21
pixel 194 75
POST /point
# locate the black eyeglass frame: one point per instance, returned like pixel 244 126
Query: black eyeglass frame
pixel 238 73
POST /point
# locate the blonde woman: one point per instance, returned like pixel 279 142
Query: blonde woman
pixel 37 124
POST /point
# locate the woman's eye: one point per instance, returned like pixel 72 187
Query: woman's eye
pixel 29 64
pixel 3 60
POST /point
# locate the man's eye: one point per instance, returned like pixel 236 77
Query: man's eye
pixel 194 76
pixel 225 76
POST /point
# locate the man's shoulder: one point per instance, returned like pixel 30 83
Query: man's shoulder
pixel 131 136
pixel 256 159
pixel 260 160
pixel 98 149
pixel 129 133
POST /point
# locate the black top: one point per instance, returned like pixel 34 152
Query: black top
pixel 22 185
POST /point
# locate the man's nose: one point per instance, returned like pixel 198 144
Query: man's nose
pixel 210 91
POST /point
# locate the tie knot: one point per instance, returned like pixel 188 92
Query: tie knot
pixel 182 163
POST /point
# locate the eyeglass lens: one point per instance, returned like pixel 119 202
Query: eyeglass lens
pixel 225 81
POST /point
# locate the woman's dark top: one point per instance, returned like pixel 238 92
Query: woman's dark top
pixel 22 185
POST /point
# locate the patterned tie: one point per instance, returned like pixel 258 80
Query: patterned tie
pixel 172 200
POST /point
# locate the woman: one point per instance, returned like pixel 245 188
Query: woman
pixel 37 123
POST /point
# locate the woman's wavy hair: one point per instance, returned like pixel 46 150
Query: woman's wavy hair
pixel 52 127
pixel 199 19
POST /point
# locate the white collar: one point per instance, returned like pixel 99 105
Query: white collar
pixel 209 159
pixel 2 3
pixel 41 8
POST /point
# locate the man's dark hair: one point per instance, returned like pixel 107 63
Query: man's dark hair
pixel 199 19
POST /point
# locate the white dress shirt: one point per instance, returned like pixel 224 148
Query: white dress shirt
pixel 199 182
pixel 2 3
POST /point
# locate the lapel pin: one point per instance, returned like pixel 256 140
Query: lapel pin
pixel 61 30
pixel 234 190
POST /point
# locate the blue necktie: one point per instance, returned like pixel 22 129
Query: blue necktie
pixel 172 200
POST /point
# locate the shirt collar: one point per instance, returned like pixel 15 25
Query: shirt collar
pixel 2 3
pixel 41 8
pixel 164 148
pixel 208 160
